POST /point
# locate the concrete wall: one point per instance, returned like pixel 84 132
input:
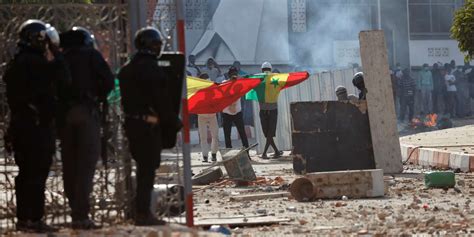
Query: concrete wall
pixel 432 51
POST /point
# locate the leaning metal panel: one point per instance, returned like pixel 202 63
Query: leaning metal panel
pixel 108 22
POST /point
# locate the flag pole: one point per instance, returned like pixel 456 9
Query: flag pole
pixel 188 191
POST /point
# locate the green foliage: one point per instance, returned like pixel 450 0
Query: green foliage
pixel 462 29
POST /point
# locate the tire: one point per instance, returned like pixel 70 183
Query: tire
pixel 208 176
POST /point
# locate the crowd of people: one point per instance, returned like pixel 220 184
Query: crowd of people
pixel 445 89
pixel 231 115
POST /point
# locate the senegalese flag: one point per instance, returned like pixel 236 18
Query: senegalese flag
pixel 271 85
pixel 207 97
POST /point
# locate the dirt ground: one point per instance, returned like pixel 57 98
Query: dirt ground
pixel 408 208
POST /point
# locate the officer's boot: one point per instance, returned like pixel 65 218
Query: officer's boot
pixel 214 157
pixel 204 159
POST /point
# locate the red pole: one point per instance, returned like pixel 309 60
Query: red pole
pixel 188 189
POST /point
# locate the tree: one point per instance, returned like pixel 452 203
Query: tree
pixel 462 29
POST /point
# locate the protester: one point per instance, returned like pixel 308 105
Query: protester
pixel 237 65
pixel 425 87
pixel 398 71
pixel 470 77
pixel 451 89
pixel 205 122
pixel 452 64
pixel 213 70
pixel 232 114
pixel 247 106
pixel 462 94
pixel 341 93
pixel 407 95
pixel 439 88
pixel 192 69
pixel 268 118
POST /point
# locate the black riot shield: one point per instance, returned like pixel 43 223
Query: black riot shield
pixel 173 64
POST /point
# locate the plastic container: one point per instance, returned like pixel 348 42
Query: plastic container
pixel 440 179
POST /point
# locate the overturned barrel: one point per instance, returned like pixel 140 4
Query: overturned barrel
pixel 335 184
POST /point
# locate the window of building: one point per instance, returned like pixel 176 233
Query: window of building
pixel 432 18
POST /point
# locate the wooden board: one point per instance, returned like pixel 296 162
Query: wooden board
pixel 382 116
pixel 259 196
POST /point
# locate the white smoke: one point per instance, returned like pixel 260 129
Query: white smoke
pixel 329 22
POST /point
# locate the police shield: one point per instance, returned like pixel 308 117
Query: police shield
pixel 173 64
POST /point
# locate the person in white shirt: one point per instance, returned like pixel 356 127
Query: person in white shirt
pixel 451 89
pixel 192 69
pixel 205 122
pixel 212 69
pixel 233 115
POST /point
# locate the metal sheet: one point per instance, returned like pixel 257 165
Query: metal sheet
pixel 330 136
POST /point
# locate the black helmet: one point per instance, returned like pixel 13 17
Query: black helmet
pixel 358 80
pixel 33 33
pixel 87 39
pixel 52 34
pixel 149 40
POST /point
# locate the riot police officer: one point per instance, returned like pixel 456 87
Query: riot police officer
pixel 32 79
pixel 79 120
pixel 148 115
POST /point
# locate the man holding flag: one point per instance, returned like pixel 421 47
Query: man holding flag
pixel 232 114
pixel 269 116
pixel 266 93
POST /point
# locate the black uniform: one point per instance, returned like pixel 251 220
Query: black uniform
pixel 32 84
pixel 79 123
pixel 144 93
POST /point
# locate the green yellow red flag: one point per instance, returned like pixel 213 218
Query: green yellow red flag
pixel 272 83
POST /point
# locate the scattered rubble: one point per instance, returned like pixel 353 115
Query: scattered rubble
pixel 408 207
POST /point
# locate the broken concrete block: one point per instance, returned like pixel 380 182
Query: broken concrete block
pixel 335 184
pixel 208 176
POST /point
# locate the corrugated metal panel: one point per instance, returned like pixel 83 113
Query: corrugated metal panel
pixel 319 87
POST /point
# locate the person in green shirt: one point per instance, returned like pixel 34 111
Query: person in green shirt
pixel 425 87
